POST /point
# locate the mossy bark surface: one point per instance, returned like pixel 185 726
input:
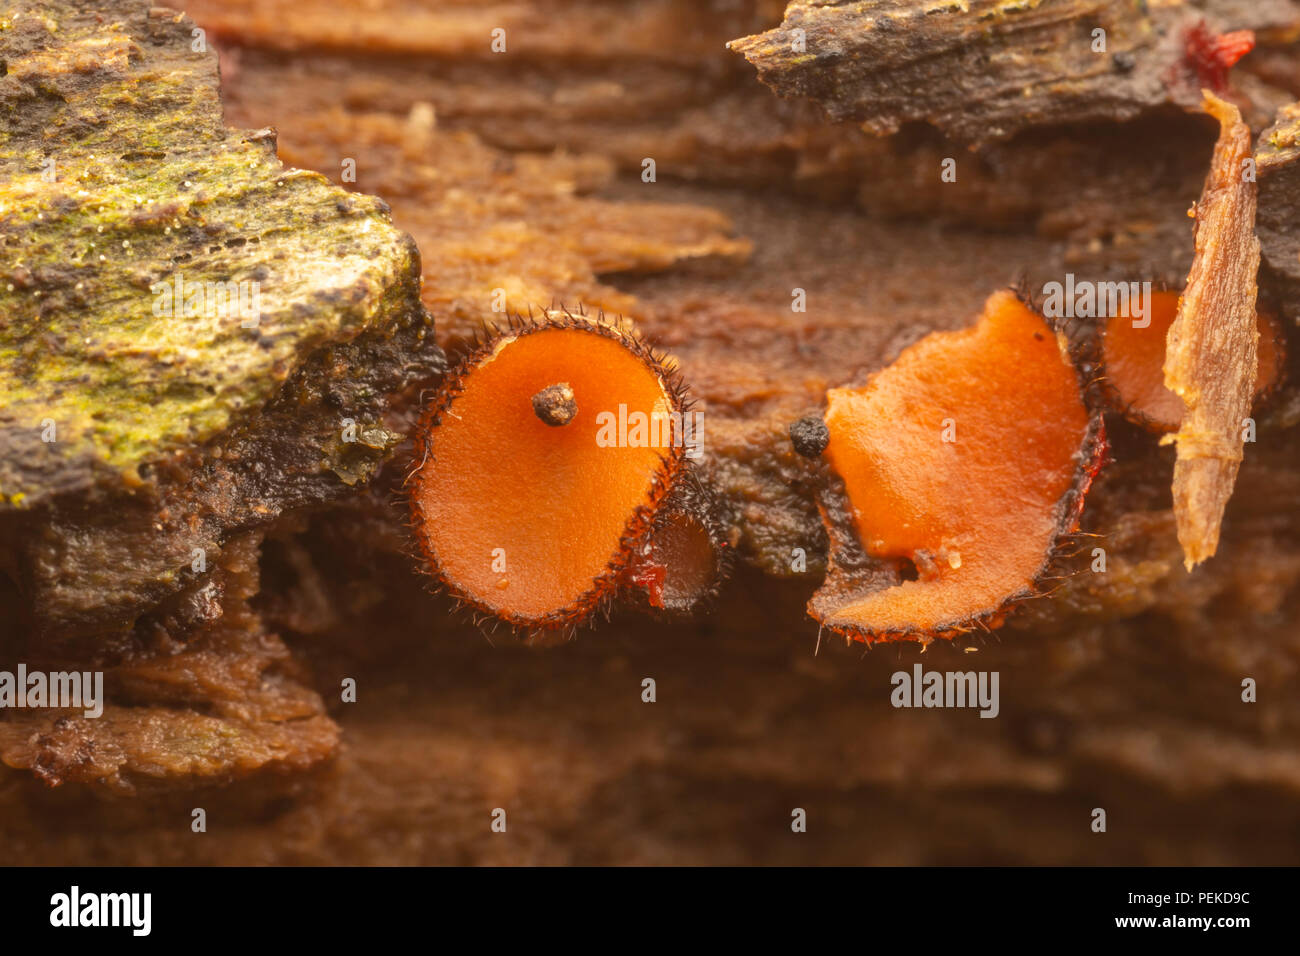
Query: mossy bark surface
pixel 194 338
pixel 120 186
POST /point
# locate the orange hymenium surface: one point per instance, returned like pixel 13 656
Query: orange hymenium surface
pixel 1134 360
pixel 529 520
pixel 959 456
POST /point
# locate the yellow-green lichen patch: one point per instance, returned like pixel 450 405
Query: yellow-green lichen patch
pixel 160 275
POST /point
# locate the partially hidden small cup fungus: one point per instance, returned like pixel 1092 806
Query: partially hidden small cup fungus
pixel 1133 359
pixel 687 555
pixel 546 460
pixel 956 471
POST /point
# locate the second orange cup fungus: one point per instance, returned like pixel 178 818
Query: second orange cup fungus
pixel 548 456
pixel 1133 358
pixel 686 555
pixel 961 465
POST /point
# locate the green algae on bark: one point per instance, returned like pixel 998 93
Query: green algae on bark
pixel 196 345
pixel 179 421
pixel 119 185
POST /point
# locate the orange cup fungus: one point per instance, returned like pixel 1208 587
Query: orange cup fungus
pixel 1133 359
pixel 961 466
pixel 687 554
pixel 548 455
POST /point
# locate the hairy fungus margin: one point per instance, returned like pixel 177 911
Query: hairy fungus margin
pixel 533 522
pixel 957 470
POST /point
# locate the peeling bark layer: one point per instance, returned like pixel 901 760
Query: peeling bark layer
pixel 985 69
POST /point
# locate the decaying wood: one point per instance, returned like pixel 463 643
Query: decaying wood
pixel 448 722
pixel 135 430
pixel 143 439
pixel 119 180
pixel 703 117
pixel 226 702
pixel 985 69
pixel 1210 359
pixel 507 233
pixel 1277 157
pixel 661 30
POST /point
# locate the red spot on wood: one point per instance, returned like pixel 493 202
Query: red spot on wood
pixel 1213 54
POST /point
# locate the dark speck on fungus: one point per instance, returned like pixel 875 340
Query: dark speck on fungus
pixel 555 404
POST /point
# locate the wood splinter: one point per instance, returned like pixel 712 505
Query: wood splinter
pixel 1211 353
